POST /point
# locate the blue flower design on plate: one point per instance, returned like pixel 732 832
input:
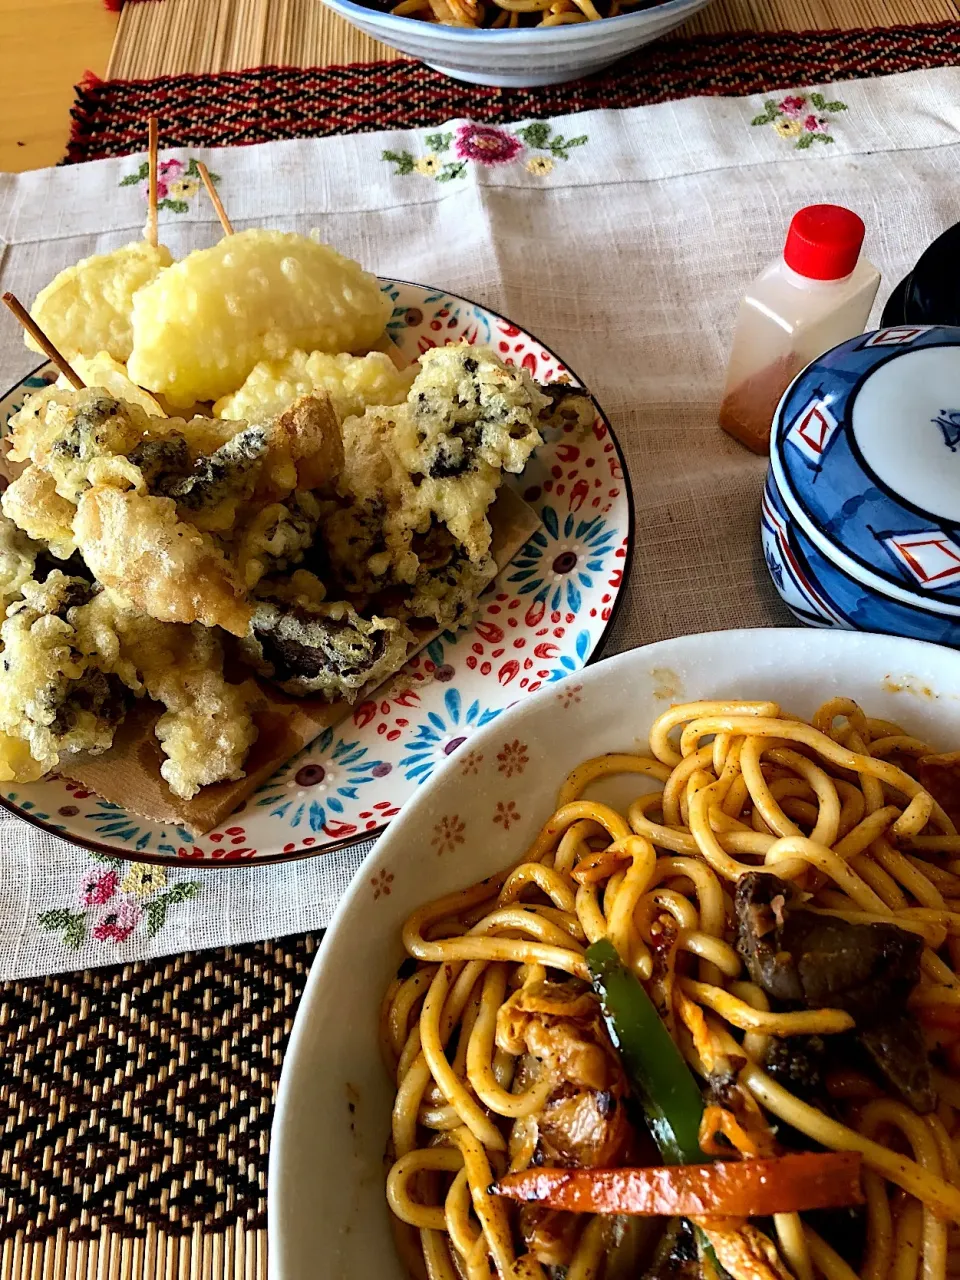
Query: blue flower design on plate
pixel 332 775
pixel 119 825
pixel 442 734
pixel 558 573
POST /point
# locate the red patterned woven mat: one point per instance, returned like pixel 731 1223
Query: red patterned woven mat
pixel 239 107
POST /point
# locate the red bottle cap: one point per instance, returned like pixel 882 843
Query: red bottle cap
pixel 824 242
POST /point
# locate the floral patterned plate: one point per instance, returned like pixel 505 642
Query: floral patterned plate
pixel 543 618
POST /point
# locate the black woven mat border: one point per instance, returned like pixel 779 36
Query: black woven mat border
pixel 151 1086
pixel 272 102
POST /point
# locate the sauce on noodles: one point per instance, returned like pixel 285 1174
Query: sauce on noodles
pixel 788 895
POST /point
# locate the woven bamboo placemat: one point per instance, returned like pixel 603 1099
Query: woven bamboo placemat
pixel 179 36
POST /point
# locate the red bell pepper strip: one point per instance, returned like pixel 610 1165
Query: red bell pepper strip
pixel 726 1188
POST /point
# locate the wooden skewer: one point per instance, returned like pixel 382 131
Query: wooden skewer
pixel 42 341
pixel 215 198
pixel 152 147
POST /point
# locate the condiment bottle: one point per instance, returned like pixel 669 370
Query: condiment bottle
pixel 817 295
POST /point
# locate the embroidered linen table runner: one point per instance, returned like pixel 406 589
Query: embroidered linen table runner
pixel 623 240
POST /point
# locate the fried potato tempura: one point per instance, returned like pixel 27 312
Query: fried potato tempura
pixel 106 374
pixel 201 327
pixel 138 546
pixel 87 308
pixel 353 383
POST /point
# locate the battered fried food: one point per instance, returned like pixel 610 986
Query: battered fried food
pixel 18 556
pixel 35 507
pixel 201 327
pixel 438 458
pixel 54 701
pixel 324 649
pixel 353 383
pixel 137 545
pixel 87 308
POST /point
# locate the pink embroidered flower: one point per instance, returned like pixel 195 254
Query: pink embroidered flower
pixel 486 145
pixel 118 924
pixel 813 124
pixel 172 168
pixel 98 887
pixel 792 106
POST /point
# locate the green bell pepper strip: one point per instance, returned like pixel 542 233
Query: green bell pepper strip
pixel 666 1089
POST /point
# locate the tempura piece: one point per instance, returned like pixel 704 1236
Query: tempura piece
pixel 87 308
pixel 277 538
pixel 80 438
pixel 107 374
pixel 207 728
pixel 325 649
pixel 438 458
pixel 136 544
pixel 201 327
pixel 18 555
pixel 353 383
pixel 54 701
pixel 33 504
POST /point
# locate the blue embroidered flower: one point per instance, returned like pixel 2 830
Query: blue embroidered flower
pixel 315 788
pixel 556 563
pixel 442 734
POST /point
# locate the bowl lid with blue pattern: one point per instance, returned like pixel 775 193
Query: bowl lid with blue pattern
pixel 865 451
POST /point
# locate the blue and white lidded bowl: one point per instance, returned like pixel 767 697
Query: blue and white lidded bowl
pixel 861 510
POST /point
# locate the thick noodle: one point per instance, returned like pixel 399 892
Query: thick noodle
pixel 725 789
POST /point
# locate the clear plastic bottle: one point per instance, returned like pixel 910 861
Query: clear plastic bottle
pixel 816 296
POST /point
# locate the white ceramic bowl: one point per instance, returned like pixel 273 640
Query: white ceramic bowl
pixel 520 58
pixel 327 1213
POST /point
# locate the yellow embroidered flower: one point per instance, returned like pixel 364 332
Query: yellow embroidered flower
pixel 183 188
pixel 788 128
pixel 142 880
pixel 540 166
pixel 428 165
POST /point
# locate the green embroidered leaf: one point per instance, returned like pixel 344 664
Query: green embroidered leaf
pixel 536 135
pixel 820 137
pixel 560 147
pixel 184 892
pixel 770 113
pixel 402 159
pixel 835 106
pixel 105 858
pixel 175 206
pixel 819 101
pixel 805 140
pixel 73 924
pixel 193 170
pixel 132 178
pixel 439 141
pixel 214 177
pixel 156 909
pixel 452 169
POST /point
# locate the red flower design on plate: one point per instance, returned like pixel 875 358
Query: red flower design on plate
pixel 486 145
pixel 447 834
pixel 506 814
pixel 381 884
pixel 513 758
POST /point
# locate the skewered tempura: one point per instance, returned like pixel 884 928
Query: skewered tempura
pixel 87 308
pixel 201 327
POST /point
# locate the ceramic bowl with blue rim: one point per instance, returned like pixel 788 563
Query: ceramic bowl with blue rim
pixel 861 513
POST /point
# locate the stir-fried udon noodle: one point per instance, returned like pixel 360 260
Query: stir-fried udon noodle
pixel 786 896
pixel 516 13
